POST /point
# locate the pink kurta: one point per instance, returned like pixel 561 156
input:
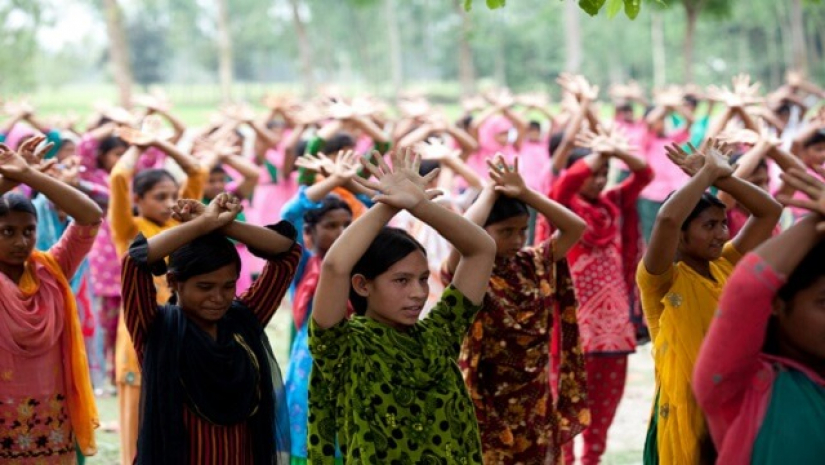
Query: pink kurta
pixel 668 177
pixel 34 420
pixel 534 163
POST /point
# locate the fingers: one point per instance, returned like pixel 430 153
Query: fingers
pixel 382 164
pixel 372 185
pixel 416 160
pixel 803 182
pixel 805 204
pixel 370 166
pixel 433 193
pixel 431 175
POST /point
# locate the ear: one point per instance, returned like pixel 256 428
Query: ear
pixel 361 285
pixel 135 199
pixel 172 282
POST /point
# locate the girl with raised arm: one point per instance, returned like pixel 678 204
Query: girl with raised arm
pixel 760 375
pixel 529 303
pixel 682 274
pixel 385 386
pixel 47 402
pixel 211 391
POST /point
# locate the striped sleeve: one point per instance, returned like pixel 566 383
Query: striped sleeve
pixel 138 293
pixel 266 293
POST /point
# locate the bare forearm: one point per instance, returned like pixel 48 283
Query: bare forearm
pixel 322 188
pixel 465 236
pixel 477 214
pixel 163 244
pixel 372 129
pixel 417 135
pixel 633 162
pixel 464 139
pixel 562 152
pixel 264 133
pixel 785 251
pixel 756 200
pixel 354 241
pixel 559 216
pixel 461 168
pixel 257 237
pixel 66 198
pixel 187 163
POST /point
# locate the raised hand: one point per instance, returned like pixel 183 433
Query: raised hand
pixel 401 186
pixel 670 97
pixel 809 185
pixel 319 163
pixel 135 137
pixel 346 165
pixel 187 210
pixel 222 210
pixel 12 164
pixel 507 179
pixel 534 100
pixel 690 163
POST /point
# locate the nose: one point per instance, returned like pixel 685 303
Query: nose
pixel 421 290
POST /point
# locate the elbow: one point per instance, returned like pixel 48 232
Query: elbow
pixel 332 266
pixel 578 227
pixel 486 246
pixel 773 209
pixel 667 221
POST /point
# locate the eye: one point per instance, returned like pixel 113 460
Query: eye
pixel 204 286
pixel 401 280
pixel 8 232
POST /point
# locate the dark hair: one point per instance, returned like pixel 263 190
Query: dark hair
pixel 14 202
pixel 817 138
pixel 691 100
pixel 555 141
pixel 389 247
pixel 708 200
pixel 217 169
pixel 204 254
pixel 427 167
pixel 624 107
pixel 811 268
pixel 301 147
pixel 338 142
pixel 108 144
pixel 328 204
pixel 464 122
pixel 145 180
pixel 577 154
pixel 275 123
pixel 535 125
pixel 505 208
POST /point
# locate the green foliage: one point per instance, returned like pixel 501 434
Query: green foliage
pixel 591 7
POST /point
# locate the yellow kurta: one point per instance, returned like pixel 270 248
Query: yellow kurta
pixel 125 227
pixel 679 305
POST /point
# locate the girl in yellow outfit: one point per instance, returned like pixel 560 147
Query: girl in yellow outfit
pixel 153 193
pixel 686 265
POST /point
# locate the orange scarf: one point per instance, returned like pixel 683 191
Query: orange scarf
pixel 79 396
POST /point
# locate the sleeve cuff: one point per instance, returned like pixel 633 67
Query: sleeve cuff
pixel 139 253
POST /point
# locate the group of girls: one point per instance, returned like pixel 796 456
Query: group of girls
pixel 498 341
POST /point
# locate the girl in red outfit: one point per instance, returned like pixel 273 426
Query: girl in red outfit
pixel 603 286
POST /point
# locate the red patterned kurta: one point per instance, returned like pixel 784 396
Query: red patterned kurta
pixel 506 361
pixel 597 261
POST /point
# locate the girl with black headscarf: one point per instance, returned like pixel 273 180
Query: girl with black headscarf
pixel 212 392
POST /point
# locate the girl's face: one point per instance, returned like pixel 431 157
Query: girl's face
pixel 802 325
pixel 156 204
pixel 216 185
pixel 327 231
pixel 206 298
pixel 706 235
pixel 760 178
pixel 595 184
pixel 108 159
pixel 397 296
pixel 18 234
pixel 67 149
pixel 814 155
pixel 510 235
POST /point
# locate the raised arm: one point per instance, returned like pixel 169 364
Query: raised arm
pixel 477 214
pixel 569 226
pixel 664 240
pixel 745 167
pixel 330 304
pixel 765 212
pixel 76 205
pixel 247 169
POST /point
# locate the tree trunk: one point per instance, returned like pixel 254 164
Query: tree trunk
pixel 657 39
pixel 500 58
pixel 690 33
pixel 799 50
pixel 396 57
pixel 466 70
pixel 572 37
pixel 224 51
pixel 304 49
pixel 119 51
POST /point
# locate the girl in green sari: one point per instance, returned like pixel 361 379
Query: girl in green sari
pixel 385 387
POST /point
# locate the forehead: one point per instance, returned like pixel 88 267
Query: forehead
pixel 520 221
pixel 17 219
pixel 164 186
pixel 339 214
pixel 414 263
pixel 223 274
pixel 712 214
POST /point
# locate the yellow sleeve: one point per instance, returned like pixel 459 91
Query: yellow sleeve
pixel 652 289
pixel 121 220
pixel 730 253
pixel 194 185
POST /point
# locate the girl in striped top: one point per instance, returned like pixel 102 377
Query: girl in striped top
pixel 211 391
